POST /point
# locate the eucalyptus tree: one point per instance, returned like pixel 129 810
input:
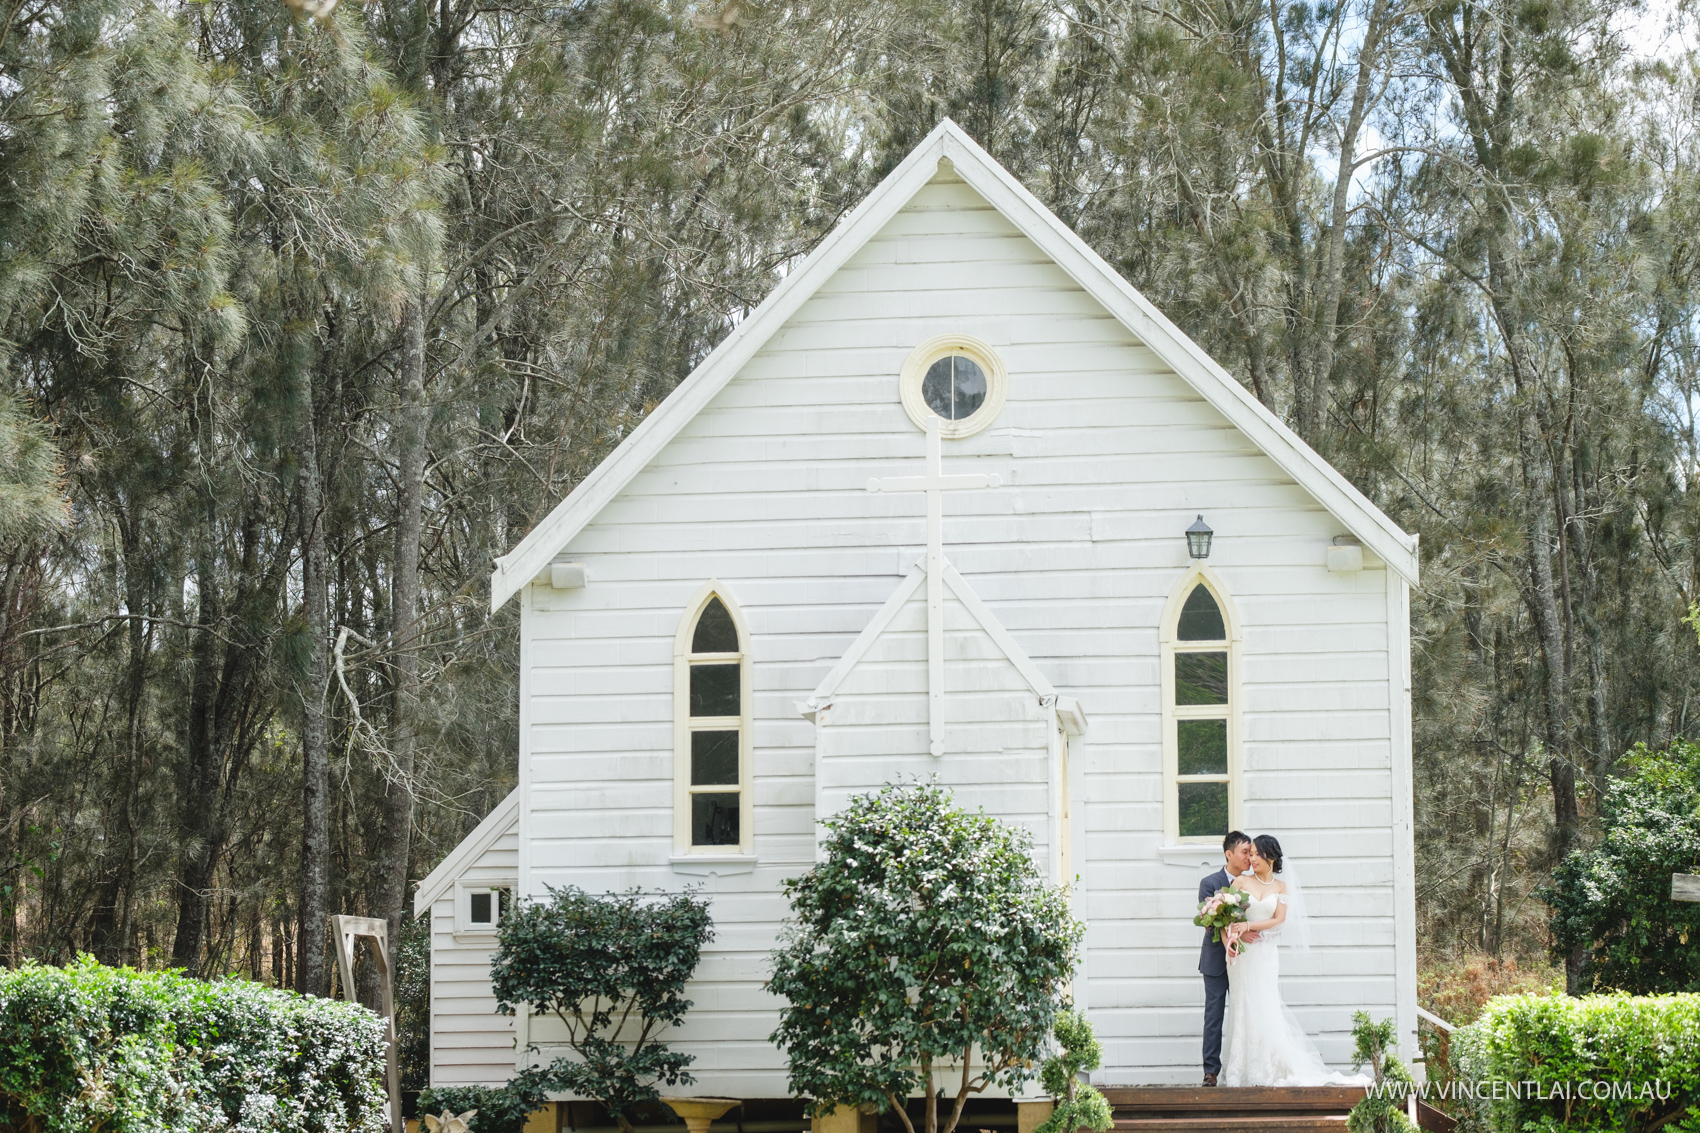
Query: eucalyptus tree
pixel 1218 159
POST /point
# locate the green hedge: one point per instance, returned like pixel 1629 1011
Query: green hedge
pixel 1536 1063
pixel 501 1109
pixel 111 1049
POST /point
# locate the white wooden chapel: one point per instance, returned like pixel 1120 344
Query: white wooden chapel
pixel 925 511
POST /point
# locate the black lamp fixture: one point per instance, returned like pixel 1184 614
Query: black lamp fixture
pixel 1198 539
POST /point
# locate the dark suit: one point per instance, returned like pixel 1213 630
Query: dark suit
pixel 1213 964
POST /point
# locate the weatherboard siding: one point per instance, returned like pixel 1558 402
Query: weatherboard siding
pixel 470 1043
pixel 997 740
pixel 1105 456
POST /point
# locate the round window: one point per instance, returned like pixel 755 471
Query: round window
pixel 954 387
pixel 957 379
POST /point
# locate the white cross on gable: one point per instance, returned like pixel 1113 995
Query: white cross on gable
pixel 934 483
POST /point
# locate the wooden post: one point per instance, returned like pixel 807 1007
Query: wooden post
pixel 1685 887
pixel 349 929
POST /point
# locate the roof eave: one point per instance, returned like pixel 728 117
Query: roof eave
pixel 529 559
pixel 483 836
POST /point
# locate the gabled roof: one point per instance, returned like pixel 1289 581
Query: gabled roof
pixel 1097 278
pixel 497 823
pixel 1067 707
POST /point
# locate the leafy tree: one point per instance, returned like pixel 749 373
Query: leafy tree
pixel 613 969
pixel 926 935
pixel 1079 1105
pixel 1613 901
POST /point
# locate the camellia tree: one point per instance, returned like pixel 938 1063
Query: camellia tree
pixel 612 968
pixel 925 938
pixel 1613 901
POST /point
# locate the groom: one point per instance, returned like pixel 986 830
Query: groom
pixel 1213 957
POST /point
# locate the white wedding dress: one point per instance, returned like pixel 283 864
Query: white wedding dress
pixel 1264 1044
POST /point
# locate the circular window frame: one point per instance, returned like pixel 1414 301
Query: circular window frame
pixel 943 346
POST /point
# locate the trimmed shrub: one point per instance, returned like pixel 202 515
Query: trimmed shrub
pixel 926 935
pixel 1078 1105
pixel 613 969
pixel 1605 1063
pixel 1379 1111
pixel 90 1047
pixel 501 1109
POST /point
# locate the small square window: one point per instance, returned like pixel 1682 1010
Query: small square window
pixel 714 819
pixel 1204 809
pixel 714 759
pixel 486 906
pixel 1201 678
pixel 714 690
pixel 1202 747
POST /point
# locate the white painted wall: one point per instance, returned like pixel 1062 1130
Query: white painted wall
pixel 1105 458
pixel 470 1044
pixel 997 748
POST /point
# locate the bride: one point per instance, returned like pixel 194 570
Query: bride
pixel 1265 1044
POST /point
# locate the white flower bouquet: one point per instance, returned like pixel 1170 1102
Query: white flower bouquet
pixel 1225 908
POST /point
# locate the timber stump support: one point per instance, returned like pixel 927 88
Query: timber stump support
pixel 349 929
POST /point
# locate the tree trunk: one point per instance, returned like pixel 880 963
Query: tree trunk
pixel 112 921
pixel 228 710
pixel 199 825
pixel 1489 104
pixel 314 904
pixel 404 621
pixel 1334 274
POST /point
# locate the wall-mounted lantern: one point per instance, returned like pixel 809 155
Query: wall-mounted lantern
pixel 1198 539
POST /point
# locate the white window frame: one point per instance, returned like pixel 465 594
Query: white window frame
pixel 1169 645
pixel 943 346
pixel 464 889
pixel 684 723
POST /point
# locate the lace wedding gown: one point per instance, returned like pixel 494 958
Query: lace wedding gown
pixel 1265 1046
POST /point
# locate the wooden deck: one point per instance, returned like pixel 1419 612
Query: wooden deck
pixel 1223 1109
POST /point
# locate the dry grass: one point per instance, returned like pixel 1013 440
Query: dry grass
pixel 1457 989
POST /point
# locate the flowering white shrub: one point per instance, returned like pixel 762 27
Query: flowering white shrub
pixel 91 1047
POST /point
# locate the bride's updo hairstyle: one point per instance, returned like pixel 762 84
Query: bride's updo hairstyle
pixel 1269 850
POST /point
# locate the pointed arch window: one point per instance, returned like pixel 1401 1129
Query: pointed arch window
pixel 1201 712
pixel 711 728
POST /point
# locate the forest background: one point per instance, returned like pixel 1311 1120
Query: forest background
pixel 305 316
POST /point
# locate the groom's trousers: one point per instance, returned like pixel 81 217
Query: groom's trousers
pixel 1215 1003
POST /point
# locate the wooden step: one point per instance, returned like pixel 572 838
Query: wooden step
pixel 1235 1123
pixel 1179 1101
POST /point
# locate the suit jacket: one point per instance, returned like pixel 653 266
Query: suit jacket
pixel 1213 957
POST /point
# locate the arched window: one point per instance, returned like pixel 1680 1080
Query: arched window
pixel 1201 693
pixel 711 727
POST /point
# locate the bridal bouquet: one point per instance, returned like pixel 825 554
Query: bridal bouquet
pixel 1221 912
